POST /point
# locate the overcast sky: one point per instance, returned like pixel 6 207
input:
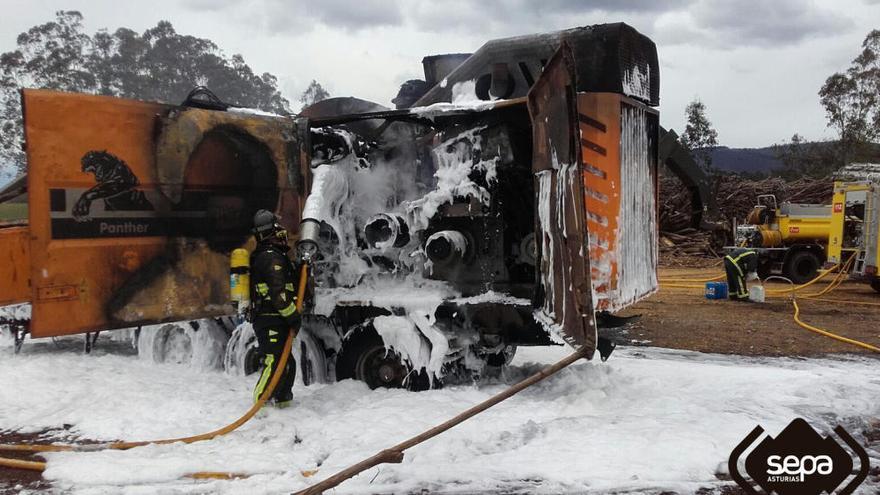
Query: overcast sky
pixel 757 65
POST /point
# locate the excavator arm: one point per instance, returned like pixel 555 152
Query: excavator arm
pixel 704 210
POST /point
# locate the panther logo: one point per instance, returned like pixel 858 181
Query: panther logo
pixel 117 186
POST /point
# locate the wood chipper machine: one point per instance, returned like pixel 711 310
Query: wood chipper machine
pixel 514 203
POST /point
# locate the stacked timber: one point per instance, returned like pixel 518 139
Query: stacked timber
pixel 735 196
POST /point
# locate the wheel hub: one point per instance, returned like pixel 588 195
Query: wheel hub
pixel 380 368
pixel 178 347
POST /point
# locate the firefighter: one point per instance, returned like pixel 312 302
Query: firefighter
pixel 273 304
pixel 740 264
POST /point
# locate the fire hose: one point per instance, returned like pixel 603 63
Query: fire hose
pixel 273 382
pixel 835 282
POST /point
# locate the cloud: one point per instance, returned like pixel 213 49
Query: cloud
pixel 300 16
pixel 724 24
pixel 485 17
pixel 526 16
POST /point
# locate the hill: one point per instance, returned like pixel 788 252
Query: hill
pixel 745 160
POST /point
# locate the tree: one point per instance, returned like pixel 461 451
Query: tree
pixel 50 55
pixel 802 158
pixel 699 136
pixel 158 65
pixel 852 101
pixel 313 94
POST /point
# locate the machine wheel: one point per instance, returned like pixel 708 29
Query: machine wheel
pixel 801 266
pixel 311 359
pixel 196 343
pixel 365 358
pixel 875 284
pixel 242 356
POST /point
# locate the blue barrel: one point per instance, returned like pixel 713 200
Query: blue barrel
pixel 716 290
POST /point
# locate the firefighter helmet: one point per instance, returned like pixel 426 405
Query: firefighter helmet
pixel 267 226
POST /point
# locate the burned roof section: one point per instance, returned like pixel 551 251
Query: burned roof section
pixel 613 58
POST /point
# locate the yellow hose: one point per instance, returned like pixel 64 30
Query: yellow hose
pixel 19 464
pixel 835 282
pixel 842 301
pixel 797 311
pixel 276 377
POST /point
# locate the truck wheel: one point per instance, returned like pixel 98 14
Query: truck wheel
pixel 365 358
pixel 196 343
pixel 801 266
pixel 875 284
pixel 242 356
pixel 310 359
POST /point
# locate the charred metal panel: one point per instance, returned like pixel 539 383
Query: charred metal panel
pixel 564 296
pixel 612 58
pixel 109 248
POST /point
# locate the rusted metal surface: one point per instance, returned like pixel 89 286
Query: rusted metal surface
pixel 565 293
pixel 134 206
pixel 14 265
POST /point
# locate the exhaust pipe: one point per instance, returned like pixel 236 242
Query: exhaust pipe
pixel 307 245
pixel 384 231
pixel 446 247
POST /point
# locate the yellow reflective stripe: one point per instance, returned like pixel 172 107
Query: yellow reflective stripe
pixel 289 310
pixel 277 267
pixel 264 376
pixel 288 286
pixel 735 265
pixel 736 260
pixel 262 288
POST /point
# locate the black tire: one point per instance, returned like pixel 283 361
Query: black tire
pixel 364 357
pixel 801 266
pixel 875 284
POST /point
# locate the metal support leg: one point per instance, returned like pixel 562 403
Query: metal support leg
pixel 91 338
pixel 18 331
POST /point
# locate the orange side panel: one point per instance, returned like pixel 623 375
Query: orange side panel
pixel 14 266
pixel 618 139
pixel 74 278
pixel 120 237
pixel 599 119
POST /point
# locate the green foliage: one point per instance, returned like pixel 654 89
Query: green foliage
pixel 313 94
pixel 13 211
pixel 801 158
pixel 852 102
pixel 158 65
pixel 699 136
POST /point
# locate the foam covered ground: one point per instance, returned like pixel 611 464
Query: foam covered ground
pixel 647 420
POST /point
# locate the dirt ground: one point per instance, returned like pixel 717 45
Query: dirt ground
pixel 683 318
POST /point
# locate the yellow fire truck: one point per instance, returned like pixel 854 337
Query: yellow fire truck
pixel 796 239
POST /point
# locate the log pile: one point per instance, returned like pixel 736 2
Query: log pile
pixel 736 196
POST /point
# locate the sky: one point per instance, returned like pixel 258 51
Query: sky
pixel 757 65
